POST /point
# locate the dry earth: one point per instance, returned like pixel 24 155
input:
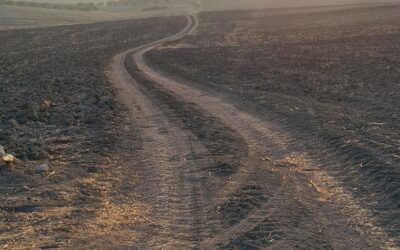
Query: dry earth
pixel 19 17
pixel 241 130
pixel 317 94
pixel 57 107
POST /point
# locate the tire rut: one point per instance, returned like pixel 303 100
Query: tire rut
pixel 222 165
pixel 216 177
pixel 164 181
pixel 184 157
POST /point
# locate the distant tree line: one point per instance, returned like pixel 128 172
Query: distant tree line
pixel 77 6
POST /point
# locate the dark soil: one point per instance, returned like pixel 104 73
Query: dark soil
pixel 57 107
pixel 219 139
pixel 226 153
pixel 328 78
pixel 265 201
pixel 242 202
pixel 180 168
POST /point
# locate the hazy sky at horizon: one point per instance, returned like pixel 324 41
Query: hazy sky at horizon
pixel 263 2
pixel 233 4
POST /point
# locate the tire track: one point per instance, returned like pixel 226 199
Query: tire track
pixel 163 168
pixel 271 199
pixel 178 166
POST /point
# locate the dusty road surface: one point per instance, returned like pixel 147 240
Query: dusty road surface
pixel 215 176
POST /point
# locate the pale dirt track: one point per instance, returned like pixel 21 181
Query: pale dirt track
pixel 278 197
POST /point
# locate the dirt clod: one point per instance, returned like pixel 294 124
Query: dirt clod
pixel 42 168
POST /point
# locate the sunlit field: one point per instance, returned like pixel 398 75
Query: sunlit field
pixel 173 124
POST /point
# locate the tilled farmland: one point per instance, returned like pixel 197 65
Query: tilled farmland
pixel 57 108
pixel 247 129
pixel 329 79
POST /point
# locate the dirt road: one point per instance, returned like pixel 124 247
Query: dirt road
pixel 214 176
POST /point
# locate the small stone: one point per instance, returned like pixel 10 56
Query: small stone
pixel 2 151
pixel 42 167
pixel 8 158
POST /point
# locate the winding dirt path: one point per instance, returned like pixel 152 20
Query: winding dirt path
pixel 277 196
